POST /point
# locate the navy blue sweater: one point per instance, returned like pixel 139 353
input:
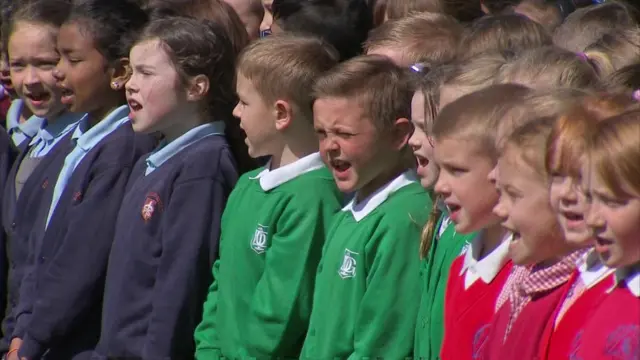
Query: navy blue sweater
pixel 18 218
pixel 61 293
pixel 165 245
pixel 8 154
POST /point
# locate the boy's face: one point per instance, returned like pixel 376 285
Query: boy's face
pixel 358 154
pixel 421 145
pixel 569 203
pixel 463 184
pixel 525 210
pixel 257 119
pixel 614 222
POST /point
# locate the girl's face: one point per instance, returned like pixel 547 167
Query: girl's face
pixel 614 223
pixel 525 210
pixel 569 203
pixel 463 184
pixel 32 60
pixel 82 72
pixel 421 144
pixel 154 92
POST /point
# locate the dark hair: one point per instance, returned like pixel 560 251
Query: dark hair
pixel 344 24
pixel 203 47
pixel 111 23
pixel 49 12
pixel 217 11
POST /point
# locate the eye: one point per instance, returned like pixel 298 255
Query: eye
pixel 321 133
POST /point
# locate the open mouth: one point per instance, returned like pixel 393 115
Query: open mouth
pixel 339 165
pixel 573 216
pixel 421 160
pixel 134 105
pixel 453 208
pixel 38 98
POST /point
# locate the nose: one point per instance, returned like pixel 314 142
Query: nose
pixel 58 74
pixel 568 191
pixel 236 111
pixel 31 76
pixel 500 210
pixel 414 142
pixel 442 187
pixel 131 86
pixel 593 218
pixel 493 175
pixel 267 21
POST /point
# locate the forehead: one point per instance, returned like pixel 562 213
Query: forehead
pixel 150 52
pixel 32 37
pixel 75 36
pixel 338 110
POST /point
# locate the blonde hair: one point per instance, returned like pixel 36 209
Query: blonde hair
pixel 614 154
pixel 383 89
pixel 550 67
pixel 285 67
pixel 502 33
pixel 542 12
pixel 530 141
pixel 421 37
pixel 586 25
pixel 570 133
pixel 463 10
pixel 475 73
pixel 614 51
pixel 624 79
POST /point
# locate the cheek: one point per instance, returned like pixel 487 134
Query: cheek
pixel 554 196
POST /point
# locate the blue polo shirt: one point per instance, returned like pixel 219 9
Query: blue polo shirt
pixel 20 132
pixel 51 133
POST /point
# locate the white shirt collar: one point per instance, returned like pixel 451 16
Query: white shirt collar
pixel 366 206
pixel 488 267
pixel 631 277
pixel 592 270
pixel 271 179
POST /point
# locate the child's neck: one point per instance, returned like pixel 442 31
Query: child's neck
pixel 99 114
pixel 297 145
pixel 25 114
pixel 381 180
pixel 492 237
pixel 182 123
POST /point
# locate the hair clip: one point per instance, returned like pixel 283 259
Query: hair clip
pixel 583 56
pixel 419 68
pixel 636 95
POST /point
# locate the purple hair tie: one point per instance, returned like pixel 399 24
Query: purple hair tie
pixel 636 95
pixel 583 56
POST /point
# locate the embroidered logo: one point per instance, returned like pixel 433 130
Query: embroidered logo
pixel 574 350
pixel 45 183
pixel 151 204
pixel 480 342
pixel 348 267
pixel 259 241
pixel 623 343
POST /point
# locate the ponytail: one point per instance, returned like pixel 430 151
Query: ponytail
pixel 429 230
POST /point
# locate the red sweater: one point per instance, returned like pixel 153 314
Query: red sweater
pixel 468 313
pixel 613 330
pixel 559 340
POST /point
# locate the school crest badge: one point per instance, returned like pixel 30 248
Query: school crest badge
pixel 349 262
pixel 623 343
pixel 151 205
pixel 259 241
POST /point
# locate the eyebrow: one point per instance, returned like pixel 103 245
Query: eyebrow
pixel 143 67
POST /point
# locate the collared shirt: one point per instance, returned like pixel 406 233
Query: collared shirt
pixel 363 208
pixel 536 281
pixel 19 132
pixel 271 179
pixel 50 134
pixel 166 150
pixel 590 272
pixel 85 140
pixel 486 268
pixel 630 277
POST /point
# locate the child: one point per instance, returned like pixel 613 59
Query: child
pixel 614 51
pixel 565 151
pixel 502 33
pixel 60 296
pixel 465 12
pixel 371 252
pixel 545 260
pixel 465 150
pixel 173 249
pixel 612 330
pixel 426 37
pixel 275 223
pixel 32 33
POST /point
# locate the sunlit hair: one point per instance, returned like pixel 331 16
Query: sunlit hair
pixel 421 37
pixel 585 26
pixel 614 51
pixel 474 73
pixel 502 33
pixel 550 67
pixel 529 143
pixel 614 154
pixel 626 79
pixel 568 140
pixel 463 10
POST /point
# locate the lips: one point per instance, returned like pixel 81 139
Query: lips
pixel 340 168
pixel 67 95
pixel 453 210
pixel 421 160
pixel 37 98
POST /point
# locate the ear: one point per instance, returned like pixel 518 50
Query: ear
pixel 120 72
pixel 402 130
pixel 484 8
pixel 284 114
pixel 198 88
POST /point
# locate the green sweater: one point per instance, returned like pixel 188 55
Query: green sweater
pixel 434 273
pixel 260 301
pixel 363 304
